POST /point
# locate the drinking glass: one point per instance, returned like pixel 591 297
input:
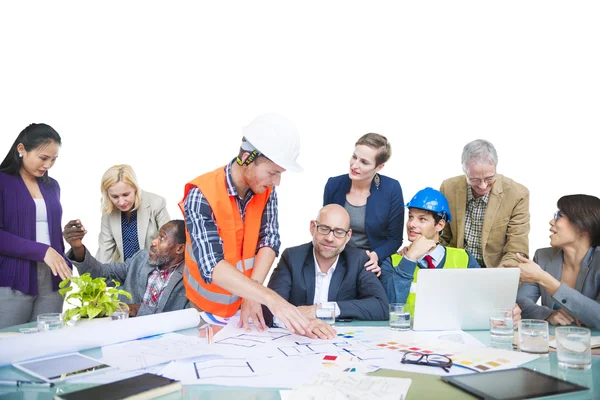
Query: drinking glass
pixel 326 312
pixel 399 317
pixel 122 312
pixel 533 336
pixel 501 328
pixel 573 347
pixel 49 322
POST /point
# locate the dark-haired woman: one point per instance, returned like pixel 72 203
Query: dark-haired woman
pixel 566 275
pixel 32 259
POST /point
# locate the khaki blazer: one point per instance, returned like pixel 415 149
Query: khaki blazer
pixel 505 224
pixel 151 215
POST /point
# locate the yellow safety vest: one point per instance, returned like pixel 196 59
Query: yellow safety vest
pixel 455 258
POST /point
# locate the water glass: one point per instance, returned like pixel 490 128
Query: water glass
pixel 49 322
pixel 326 312
pixel 119 314
pixel 533 336
pixel 501 322
pixel 122 312
pixel 573 347
pixel 399 317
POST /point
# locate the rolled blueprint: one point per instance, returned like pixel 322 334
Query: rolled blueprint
pixel 92 334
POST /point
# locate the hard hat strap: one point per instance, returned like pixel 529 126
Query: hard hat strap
pixel 249 160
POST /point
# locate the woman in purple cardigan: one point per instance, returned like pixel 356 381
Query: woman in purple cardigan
pixel 32 261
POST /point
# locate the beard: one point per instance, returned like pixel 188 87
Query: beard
pixel 328 253
pixel 159 261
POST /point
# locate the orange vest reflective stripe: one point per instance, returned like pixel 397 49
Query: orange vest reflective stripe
pixel 239 242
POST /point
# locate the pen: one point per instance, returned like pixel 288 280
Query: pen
pixel 21 383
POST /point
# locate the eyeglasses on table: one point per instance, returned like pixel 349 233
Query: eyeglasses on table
pixel 432 360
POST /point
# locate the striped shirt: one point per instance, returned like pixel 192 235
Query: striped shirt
pixel 474 216
pixel 207 245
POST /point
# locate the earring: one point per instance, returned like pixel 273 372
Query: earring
pixel 20 155
pixel 377 181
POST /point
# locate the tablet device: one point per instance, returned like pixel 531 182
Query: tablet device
pixel 509 384
pixel 59 368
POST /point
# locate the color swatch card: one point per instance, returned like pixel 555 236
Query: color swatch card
pixel 490 359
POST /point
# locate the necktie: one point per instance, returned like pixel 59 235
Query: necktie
pixel 429 261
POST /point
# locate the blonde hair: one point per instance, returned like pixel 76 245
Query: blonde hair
pixel 115 174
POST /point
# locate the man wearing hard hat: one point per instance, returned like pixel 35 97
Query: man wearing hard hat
pixel 428 214
pixel 233 231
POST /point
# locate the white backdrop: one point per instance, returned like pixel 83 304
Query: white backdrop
pixel 167 86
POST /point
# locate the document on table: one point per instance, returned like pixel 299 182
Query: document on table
pixel 146 352
pixel 214 369
pixel 333 386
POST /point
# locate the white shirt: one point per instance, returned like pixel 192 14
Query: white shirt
pixel 42 231
pixel 322 282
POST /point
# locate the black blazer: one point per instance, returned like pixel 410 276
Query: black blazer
pixel 358 292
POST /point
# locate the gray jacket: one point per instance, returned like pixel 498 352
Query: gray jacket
pixel 582 302
pixel 133 275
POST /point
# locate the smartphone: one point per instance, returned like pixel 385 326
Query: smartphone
pixel 343 320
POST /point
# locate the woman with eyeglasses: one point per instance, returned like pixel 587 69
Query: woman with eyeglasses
pixel 374 201
pixel 566 275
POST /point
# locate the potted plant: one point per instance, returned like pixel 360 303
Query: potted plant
pixel 92 298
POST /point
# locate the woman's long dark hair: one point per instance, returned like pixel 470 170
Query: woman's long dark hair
pixel 32 137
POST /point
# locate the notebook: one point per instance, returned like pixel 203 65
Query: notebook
pixel 449 299
pixel 145 386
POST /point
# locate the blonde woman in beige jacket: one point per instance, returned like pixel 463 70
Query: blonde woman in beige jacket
pixel 131 217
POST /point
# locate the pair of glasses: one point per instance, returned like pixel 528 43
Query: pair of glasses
pixel 558 214
pixel 476 181
pixel 432 360
pixel 337 232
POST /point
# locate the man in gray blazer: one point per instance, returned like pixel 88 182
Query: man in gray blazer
pixel 154 278
pixel 328 271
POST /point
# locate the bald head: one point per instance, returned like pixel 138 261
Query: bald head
pixel 330 231
pixel 334 212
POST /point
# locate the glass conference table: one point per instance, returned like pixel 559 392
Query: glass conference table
pixel 545 364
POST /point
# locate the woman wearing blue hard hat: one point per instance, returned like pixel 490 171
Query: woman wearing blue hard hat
pixel 374 201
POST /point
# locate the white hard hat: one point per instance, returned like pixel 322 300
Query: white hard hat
pixel 276 138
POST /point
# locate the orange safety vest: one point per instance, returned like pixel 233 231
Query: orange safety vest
pixel 240 239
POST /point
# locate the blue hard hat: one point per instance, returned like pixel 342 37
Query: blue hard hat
pixel 431 200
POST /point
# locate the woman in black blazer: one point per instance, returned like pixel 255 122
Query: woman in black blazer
pixel 374 202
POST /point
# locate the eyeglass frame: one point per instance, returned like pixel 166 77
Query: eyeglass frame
pixel 476 181
pixel 445 366
pixel 559 214
pixel 317 226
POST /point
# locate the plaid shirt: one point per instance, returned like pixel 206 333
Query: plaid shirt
pixel 207 245
pixel 476 207
pixel 157 282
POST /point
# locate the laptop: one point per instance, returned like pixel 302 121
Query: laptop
pixel 449 299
